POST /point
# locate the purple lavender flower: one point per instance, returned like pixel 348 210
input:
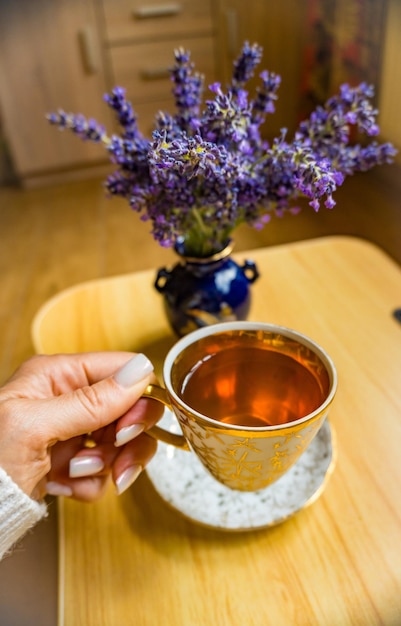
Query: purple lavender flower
pixel 245 65
pixel 124 111
pixel 207 170
pixel 187 91
pixel 266 95
pixel 227 120
pixel 85 129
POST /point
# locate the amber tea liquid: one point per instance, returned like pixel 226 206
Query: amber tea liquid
pixel 251 386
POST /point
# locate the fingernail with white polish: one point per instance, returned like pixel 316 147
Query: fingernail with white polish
pixel 128 477
pixel 135 370
pixel 85 466
pixel 128 433
pixel 57 489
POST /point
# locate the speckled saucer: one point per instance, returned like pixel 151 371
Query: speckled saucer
pixel 181 480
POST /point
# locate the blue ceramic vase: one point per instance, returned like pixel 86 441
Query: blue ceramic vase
pixel 202 291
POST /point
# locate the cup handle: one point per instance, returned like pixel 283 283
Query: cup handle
pixel 160 394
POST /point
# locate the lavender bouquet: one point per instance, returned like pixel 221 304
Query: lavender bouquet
pixel 207 168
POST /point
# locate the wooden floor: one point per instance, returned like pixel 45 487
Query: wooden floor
pixel 55 237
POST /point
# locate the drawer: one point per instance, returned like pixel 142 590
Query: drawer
pixel 147 20
pixel 143 68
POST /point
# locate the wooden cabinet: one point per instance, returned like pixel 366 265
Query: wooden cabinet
pixel 68 53
pixel 49 58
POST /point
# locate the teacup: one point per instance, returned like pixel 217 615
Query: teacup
pixel 249 398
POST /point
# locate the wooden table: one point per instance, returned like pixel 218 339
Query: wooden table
pixel 134 561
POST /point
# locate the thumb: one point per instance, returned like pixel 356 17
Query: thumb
pixel 94 406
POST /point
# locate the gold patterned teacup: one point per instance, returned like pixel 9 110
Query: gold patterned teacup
pixel 249 398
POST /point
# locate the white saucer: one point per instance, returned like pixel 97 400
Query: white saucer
pixel 181 480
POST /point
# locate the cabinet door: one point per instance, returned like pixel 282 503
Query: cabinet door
pixel 279 28
pixel 49 59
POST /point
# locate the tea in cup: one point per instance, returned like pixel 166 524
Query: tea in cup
pixel 249 398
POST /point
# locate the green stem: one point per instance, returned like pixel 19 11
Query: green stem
pixel 200 239
pixel 200 221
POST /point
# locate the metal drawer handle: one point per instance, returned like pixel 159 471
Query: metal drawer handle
pixel 155 73
pixel 87 46
pixel 157 10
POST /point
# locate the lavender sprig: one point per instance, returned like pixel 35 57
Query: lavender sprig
pixel 245 65
pixel 124 112
pixel 266 95
pixel 85 129
pixel 187 91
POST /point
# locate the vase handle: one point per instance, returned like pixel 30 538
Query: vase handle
pixel 161 279
pixel 250 271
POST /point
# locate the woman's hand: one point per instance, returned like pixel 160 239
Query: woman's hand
pixel 50 405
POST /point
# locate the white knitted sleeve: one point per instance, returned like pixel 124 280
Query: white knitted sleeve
pixel 18 512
